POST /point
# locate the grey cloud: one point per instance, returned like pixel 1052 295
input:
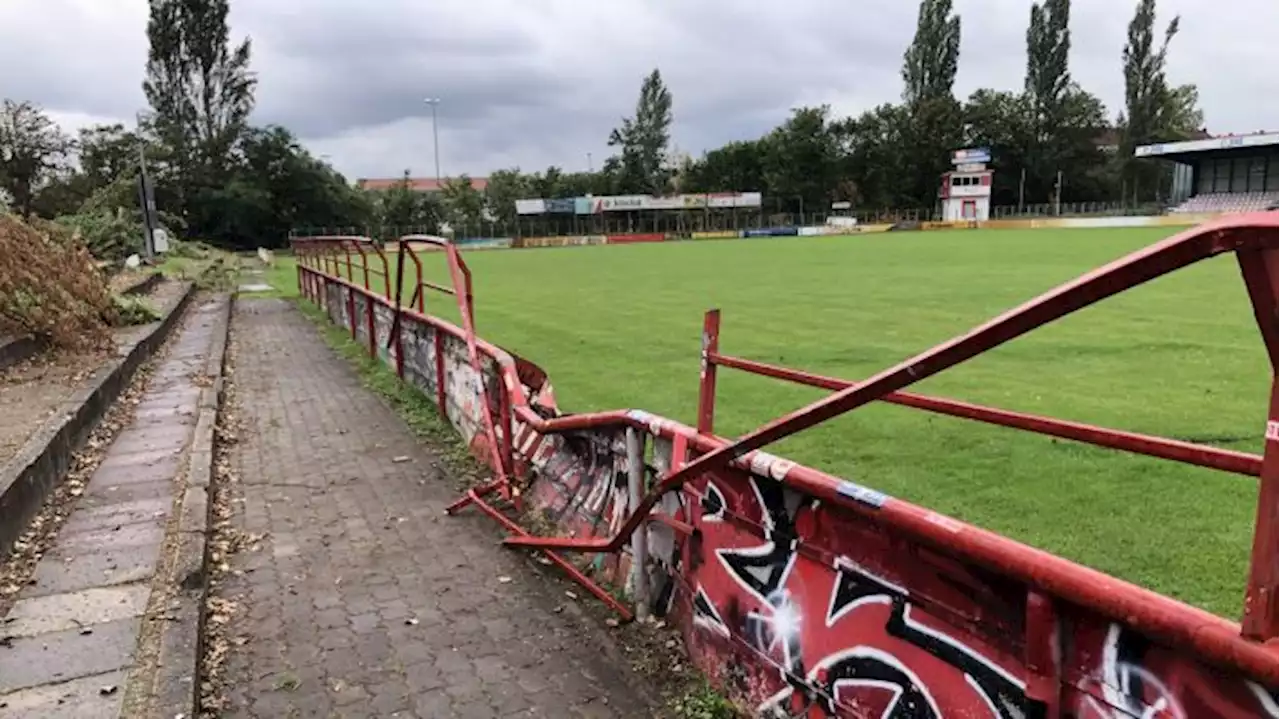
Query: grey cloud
pixel 533 84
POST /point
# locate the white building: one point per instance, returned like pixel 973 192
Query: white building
pixel 966 190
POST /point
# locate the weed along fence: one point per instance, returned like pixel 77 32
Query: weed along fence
pixel 804 594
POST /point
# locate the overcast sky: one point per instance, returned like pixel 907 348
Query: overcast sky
pixel 531 83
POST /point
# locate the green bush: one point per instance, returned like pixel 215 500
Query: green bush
pixel 109 236
pixel 132 310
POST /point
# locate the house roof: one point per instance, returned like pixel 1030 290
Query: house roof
pixel 417 184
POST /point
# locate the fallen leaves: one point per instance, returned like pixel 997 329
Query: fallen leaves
pixel 225 541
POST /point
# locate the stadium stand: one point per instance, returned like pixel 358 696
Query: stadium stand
pixel 1221 175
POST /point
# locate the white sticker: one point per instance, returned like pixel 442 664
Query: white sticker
pixel 1273 431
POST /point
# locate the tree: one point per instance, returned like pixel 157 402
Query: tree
pixel 872 157
pixel 643 140
pixel 799 161
pixel 400 210
pixel 930 62
pixel 107 152
pixel 547 184
pixel 200 89
pixel 1180 114
pixel 1002 121
pixel 463 204
pixel 500 195
pixel 1047 82
pixel 1154 112
pixel 736 166
pixel 928 74
pixel 32 149
pixel 1048 45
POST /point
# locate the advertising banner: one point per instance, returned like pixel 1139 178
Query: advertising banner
pixel 560 206
pixel 717 235
pixel 771 232
pixel 971 155
pixel 628 203
pixel 733 199
pixel 483 243
pixel 622 203
pixel 530 207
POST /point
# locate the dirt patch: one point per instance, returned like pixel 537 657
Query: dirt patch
pixel 36 389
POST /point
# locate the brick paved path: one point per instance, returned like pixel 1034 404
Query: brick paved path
pixel 365 600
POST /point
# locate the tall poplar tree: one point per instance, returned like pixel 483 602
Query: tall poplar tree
pixel 199 86
pixel 643 140
pixel 936 122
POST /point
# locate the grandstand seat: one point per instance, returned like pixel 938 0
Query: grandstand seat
pixel 1227 202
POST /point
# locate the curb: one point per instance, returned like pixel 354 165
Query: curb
pixel 15 349
pixel 25 482
pixel 143 285
pixel 177 679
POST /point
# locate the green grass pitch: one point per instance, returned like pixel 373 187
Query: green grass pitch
pixel 619 326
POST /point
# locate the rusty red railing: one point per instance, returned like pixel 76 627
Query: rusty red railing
pixel 1249 646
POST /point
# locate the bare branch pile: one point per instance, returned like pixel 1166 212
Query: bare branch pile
pixel 50 286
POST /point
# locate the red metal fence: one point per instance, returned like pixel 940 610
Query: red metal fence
pixel 809 595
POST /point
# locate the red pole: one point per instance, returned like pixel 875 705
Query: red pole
pixel 707 380
pixel 1261 620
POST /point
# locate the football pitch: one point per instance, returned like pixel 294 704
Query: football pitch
pixel 619 327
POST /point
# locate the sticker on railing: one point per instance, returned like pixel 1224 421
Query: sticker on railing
pixel 865 495
pixel 768 465
pixel 1273 431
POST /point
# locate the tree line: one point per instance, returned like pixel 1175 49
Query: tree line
pixel 222 179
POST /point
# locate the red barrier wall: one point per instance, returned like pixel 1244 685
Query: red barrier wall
pixel 802 594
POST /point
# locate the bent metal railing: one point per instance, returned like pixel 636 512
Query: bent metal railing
pixel 1247 650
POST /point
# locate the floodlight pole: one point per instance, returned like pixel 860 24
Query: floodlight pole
pixel 435 135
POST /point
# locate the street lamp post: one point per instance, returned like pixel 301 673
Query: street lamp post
pixel 435 135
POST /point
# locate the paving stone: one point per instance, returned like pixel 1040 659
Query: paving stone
pixel 75 569
pixel 126 493
pixel 59 656
pixel 75 610
pixel 117 514
pixel 361 578
pixel 136 534
pixel 148 465
pixel 83 698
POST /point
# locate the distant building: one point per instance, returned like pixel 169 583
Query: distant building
pixel 417 184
